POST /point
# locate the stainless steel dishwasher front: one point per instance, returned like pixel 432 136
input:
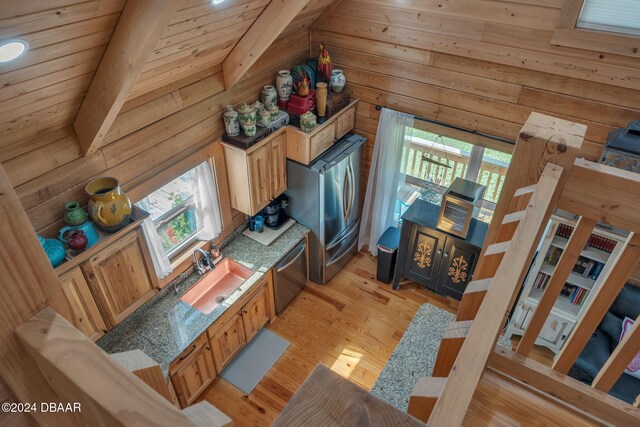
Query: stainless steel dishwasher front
pixel 291 275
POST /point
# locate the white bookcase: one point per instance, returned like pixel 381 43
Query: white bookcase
pixel 580 285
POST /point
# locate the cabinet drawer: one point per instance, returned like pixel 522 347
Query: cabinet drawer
pixel 345 122
pixel 321 141
pixel 226 341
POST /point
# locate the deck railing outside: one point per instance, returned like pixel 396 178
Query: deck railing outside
pixel 492 172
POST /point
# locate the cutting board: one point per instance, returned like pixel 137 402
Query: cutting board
pixel 268 236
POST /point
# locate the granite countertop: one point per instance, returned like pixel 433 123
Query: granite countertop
pixel 165 326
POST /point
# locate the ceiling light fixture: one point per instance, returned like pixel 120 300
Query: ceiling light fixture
pixel 214 2
pixel 12 49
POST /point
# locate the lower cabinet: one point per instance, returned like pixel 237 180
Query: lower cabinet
pixel 85 314
pixel 227 340
pixel 256 313
pixel 193 371
pixel 554 332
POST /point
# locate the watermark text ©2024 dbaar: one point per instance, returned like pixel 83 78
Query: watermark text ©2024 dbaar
pixel 51 407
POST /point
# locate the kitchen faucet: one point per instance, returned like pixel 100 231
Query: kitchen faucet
pixel 205 263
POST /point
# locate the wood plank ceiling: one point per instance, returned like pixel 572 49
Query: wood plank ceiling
pixel 41 92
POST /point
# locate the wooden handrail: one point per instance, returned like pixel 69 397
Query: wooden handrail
pixel 79 371
pixel 469 366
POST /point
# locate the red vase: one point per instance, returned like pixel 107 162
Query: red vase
pixel 76 240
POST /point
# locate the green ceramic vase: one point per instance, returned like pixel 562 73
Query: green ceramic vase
pixel 74 214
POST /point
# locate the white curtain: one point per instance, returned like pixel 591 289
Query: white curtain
pixel 205 192
pixel 386 177
pixel 161 263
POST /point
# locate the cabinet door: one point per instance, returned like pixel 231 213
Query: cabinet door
pixel 227 341
pixel 424 253
pixel 84 310
pixel 259 179
pixel 256 313
pixel 322 140
pixel 278 166
pixel 458 261
pixel 345 122
pixel 194 374
pixel 120 278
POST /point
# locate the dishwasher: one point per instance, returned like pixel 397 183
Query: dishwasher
pixel 291 275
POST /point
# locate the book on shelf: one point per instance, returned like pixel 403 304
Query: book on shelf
pixel 541 281
pixel 576 294
pixel 553 255
pixel 598 242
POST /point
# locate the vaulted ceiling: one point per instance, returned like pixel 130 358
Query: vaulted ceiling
pixel 42 92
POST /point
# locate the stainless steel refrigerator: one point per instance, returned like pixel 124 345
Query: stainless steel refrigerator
pixel 324 196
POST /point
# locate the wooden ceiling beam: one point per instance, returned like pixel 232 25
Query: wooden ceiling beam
pixel 141 25
pixel 271 22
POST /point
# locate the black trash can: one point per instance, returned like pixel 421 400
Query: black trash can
pixel 387 252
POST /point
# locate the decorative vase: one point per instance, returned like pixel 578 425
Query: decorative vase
pixel 109 207
pixel 303 87
pixel 247 116
pixel 274 111
pixel 87 229
pixel 76 240
pixel 284 84
pixel 258 105
pixel 324 64
pixel 264 117
pixel 337 81
pixel 269 96
pixel 321 98
pixel 231 123
pixel 74 214
pixel 307 122
pixel 54 249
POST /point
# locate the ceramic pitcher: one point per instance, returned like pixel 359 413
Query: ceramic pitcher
pixel 87 229
pixel 74 214
pixel 109 207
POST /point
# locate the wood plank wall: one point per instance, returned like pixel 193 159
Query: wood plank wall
pixel 480 64
pixel 151 133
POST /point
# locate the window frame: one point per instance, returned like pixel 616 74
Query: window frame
pixel 568 34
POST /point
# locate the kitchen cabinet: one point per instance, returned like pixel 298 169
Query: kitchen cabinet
pixel 304 147
pixel 120 277
pixel 258 174
pixel 84 310
pixel 256 313
pixel 227 340
pixel 433 258
pixel 193 371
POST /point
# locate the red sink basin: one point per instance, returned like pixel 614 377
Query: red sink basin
pixel 216 285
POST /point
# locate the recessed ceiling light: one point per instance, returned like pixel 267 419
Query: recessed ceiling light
pixel 216 1
pixel 12 49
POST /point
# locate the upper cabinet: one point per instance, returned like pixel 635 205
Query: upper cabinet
pixel 258 174
pixel 305 147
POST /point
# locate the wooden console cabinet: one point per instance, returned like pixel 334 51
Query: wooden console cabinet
pixel 437 260
pixel 256 175
pixel 305 147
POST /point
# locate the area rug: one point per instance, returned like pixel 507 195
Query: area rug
pixel 415 355
pixel 254 361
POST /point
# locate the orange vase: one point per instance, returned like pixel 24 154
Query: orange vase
pixel 321 98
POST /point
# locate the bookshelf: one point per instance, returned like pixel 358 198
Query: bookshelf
pixel 587 275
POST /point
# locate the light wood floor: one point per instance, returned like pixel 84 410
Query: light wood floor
pixel 352 325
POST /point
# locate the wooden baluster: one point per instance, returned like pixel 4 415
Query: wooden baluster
pixel 567 261
pixel 612 283
pixel 424 397
pixel 624 353
pixel 480 342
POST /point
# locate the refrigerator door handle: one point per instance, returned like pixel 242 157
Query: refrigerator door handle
pixel 344 236
pixel 346 189
pixel 346 251
pixel 352 193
